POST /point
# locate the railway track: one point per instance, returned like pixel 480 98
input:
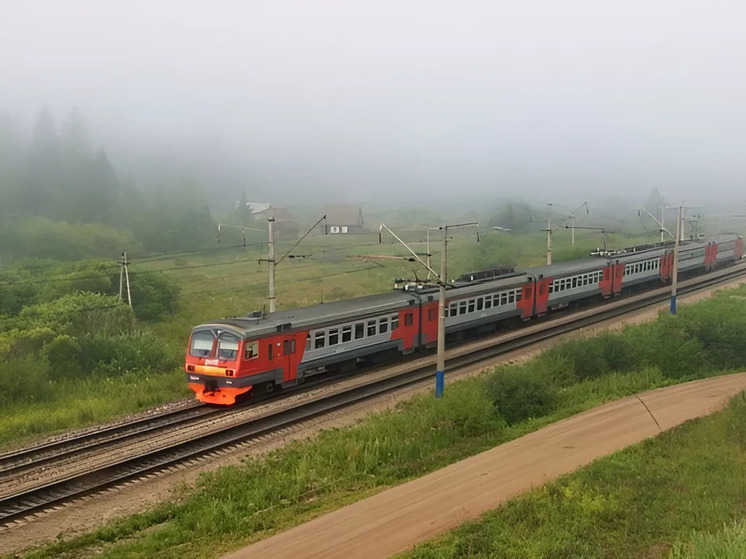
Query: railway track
pixel 138 449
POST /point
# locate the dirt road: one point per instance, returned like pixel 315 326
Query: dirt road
pixel 395 520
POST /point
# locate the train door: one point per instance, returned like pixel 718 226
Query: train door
pixel 607 281
pixel 526 303
pixel 666 266
pixel 287 354
pixel 541 295
pixel 618 278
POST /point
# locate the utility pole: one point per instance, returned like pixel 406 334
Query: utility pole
pixel 675 274
pixel 549 234
pixel 124 275
pixel 271 260
pixel 440 376
pixel 440 360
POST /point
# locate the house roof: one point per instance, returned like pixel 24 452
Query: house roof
pixel 280 214
pixel 343 215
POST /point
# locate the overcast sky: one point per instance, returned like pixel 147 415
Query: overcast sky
pixel 358 99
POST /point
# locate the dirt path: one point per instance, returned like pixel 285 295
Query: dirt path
pixel 395 520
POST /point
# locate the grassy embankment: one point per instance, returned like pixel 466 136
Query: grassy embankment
pixel 680 495
pixel 40 394
pixel 238 505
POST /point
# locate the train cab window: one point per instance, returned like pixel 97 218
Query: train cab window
pixel 201 344
pixel 270 352
pixel 333 336
pixel 227 347
pixel 359 330
pixel 408 319
pixel 394 322
pixel 371 327
pixel 251 350
pixel 318 340
pixel 383 325
pixel 346 333
pixel 288 347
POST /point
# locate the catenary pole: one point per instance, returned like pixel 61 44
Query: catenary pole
pixel 675 272
pixel 440 367
pixel 271 260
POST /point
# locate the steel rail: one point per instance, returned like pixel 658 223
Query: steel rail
pixel 22 504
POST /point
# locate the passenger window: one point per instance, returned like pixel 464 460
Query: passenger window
pixel 462 307
pixel 251 350
pixel 488 302
pixel 346 333
pixel 480 304
pixel 394 322
pixel 333 336
pixel 383 325
pixel 319 341
pixel 359 330
pixel 371 327
pixel 471 305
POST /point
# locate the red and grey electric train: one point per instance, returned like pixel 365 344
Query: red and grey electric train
pixel 230 357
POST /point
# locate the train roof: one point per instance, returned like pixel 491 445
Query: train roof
pixel 258 324
pixel 359 307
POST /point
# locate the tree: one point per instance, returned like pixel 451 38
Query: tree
pixel 74 133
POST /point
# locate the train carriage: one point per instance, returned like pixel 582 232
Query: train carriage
pixel 230 357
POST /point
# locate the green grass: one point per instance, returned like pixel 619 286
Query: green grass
pixel 726 543
pixel 641 502
pixel 237 505
pixel 89 401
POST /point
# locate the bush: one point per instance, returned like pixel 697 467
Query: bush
pixel 79 314
pixel 519 393
pixel 112 356
pixel 62 354
pixel 24 381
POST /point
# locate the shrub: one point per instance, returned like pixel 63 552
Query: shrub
pixel 518 393
pixel 62 354
pixel 24 380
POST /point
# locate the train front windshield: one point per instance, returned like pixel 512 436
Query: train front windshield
pixel 227 347
pixel 203 345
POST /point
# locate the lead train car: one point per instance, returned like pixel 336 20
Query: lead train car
pixel 230 357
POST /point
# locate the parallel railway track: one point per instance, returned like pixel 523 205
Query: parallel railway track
pixel 200 431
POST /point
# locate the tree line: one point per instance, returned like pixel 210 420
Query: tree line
pixel 58 194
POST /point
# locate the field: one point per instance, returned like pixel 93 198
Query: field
pixel 230 280
pixel 238 505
